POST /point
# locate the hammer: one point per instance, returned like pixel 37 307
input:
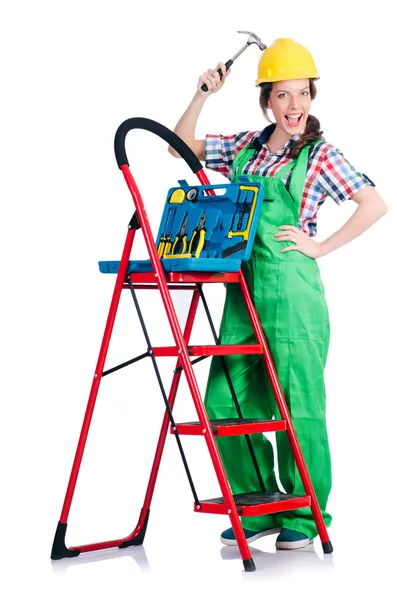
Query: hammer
pixel 253 39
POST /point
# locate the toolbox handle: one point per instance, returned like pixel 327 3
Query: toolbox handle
pixel 160 130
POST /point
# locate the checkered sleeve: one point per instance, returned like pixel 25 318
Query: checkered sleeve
pixel 220 150
pixel 337 177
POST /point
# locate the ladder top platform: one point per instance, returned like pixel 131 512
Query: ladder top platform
pixel 194 265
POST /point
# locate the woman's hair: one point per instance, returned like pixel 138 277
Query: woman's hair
pixel 313 128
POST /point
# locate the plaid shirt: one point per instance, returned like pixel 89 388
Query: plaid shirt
pixel 328 172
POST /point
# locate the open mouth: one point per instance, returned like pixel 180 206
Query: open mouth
pixel 294 120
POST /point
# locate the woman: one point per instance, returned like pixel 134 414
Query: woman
pixel 299 170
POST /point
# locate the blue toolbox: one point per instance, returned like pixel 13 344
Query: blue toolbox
pixel 201 232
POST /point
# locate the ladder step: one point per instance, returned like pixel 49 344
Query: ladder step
pixel 221 350
pixel 221 427
pixel 255 503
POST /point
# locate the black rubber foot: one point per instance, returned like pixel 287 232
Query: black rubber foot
pixel 59 549
pixel 249 564
pixel 138 540
pixel 327 547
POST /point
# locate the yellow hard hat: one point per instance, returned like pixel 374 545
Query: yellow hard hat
pixel 285 59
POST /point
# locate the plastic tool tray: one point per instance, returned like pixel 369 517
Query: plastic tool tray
pixel 204 233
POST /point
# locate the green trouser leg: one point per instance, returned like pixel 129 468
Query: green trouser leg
pixel 299 366
pixel 306 404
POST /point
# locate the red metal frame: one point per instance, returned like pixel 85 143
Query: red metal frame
pixel 210 350
pixel 228 430
pixel 196 277
pixel 161 281
pixel 258 509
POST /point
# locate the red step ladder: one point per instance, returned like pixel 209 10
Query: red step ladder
pixel 234 506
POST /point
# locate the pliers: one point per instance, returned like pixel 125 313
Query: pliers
pixel 198 237
pixel 180 243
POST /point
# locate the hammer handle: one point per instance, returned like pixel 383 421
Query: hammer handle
pixel 227 65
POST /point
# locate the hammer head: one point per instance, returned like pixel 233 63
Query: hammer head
pixel 254 39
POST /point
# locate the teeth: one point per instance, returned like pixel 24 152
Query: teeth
pixel 294 116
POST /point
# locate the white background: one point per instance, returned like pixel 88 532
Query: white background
pixel 71 73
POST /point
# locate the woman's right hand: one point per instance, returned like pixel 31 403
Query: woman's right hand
pixel 212 79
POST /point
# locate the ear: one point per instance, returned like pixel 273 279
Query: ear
pixel 269 105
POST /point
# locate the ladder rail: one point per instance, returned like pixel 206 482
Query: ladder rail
pixel 97 376
pixel 143 517
pixel 185 360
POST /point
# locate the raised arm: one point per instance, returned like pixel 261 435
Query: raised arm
pixel 186 126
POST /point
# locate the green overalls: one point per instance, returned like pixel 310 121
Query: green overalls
pixel 288 294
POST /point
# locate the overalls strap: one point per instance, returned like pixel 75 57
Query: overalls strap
pixel 283 172
pixel 298 178
pixel 241 159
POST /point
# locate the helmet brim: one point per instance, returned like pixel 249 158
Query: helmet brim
pixel 280 78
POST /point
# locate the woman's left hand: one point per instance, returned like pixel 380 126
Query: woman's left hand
pixel 303 242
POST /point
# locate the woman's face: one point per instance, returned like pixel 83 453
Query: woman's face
pixel 290 103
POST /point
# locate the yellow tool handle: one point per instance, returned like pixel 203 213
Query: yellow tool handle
pixel 192 240
pixel 167 246
pixel 161 248
pixel 200 243
pixel 174 244
pixel 184 245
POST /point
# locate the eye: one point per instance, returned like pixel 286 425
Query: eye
pixel 282 95
pixel 305 93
